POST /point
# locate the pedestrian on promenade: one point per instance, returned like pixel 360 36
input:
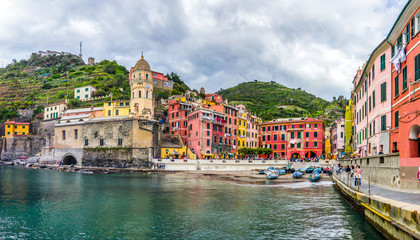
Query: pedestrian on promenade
pixel 418 174
pixel 358 179
pixel 348 170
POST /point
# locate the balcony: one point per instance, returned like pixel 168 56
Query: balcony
pixel 213 120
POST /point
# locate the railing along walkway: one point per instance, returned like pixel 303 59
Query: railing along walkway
pixel 371 189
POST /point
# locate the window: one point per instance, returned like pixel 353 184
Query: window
pixel 373 99
pixel 407 34
pixel 101 141
pixel 292 135
pixel 78 90
pixel 282 137
pixel 412 27
pixel 263 138
pixel 306 144
pixel 117 112
pixel 417 67
pixel 292 145
pixel 282 146
pixel 86 96
pixel 86 89
pixel 383 62
pixel 396 86
pixel 383 123
pixel 109 112
pixel 64 134
pixel 268 138
pixel 315 126
pixel 383 92
pixel 315 134
pixel 370 103
pixel 307 134
pixel 298 145
pixel 299 134
pixel 373 72
pixel 275 137
pixel 404 78
pixel 120 140
pixel 76 134
pixel 342 135
pixel 86 142
pixel 315 144
pixel 396 120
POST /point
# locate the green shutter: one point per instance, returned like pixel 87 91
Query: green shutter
pixel 382 62
pixel 417 67
pixel 396 86
pixel 383 92
pixel 396 119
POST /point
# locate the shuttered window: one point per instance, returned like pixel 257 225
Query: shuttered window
pixel 383 123
pixel 417 67
pixel 396 86
pixel 383 92
pixel 383 62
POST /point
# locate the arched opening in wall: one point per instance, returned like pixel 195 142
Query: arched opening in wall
pixel 69 160
pixel 295 155
pixel 414 143
pixel 310 154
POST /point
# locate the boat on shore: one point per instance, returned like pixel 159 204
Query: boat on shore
pixel 297 174
pixel 315 176
pixel 272 174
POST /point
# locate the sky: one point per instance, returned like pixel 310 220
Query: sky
pixel 315 45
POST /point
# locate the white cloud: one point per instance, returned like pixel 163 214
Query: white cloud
pixel 313 44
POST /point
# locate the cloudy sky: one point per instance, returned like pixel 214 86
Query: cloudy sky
pixel 313 44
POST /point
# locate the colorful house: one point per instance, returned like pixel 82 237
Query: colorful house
pixel 84 93
pixel 231 126
pixel 12 129
pixel 54 111
pixel 117 108
pixel 178 117
pixel 242 126
pixel 405 90
pixel 293 137
pixel 337 139
pixel 348 125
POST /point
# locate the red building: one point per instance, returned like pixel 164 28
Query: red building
pixel 206 132
pixel 178 118
pixel 405 86
pixel 231 126
pixel 296 137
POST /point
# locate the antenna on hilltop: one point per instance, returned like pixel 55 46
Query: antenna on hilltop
pixel 80 55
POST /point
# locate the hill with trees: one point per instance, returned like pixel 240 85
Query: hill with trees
pixel 271 100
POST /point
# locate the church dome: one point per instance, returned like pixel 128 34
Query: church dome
pixel 142 64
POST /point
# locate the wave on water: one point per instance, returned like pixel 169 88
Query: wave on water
pixel 292 185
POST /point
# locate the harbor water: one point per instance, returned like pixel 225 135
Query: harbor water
pixel 47 204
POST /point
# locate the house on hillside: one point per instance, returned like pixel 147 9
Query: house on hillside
pixel 54 111
pixel 84 93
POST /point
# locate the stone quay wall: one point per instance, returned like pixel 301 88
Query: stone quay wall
pixel 394 219
pixel 383 170
pixel 21 146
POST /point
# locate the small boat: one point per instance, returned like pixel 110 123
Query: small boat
pixel 314 176
pixel 297 174
pixel 261 172
pixel 292 170
pixel 317 170
pixel 282 172
pixel 272 174
pixel 309 170
pixel 266 171
pixel 302 170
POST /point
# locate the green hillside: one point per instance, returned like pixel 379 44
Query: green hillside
pixel 270 100
pixel 32 82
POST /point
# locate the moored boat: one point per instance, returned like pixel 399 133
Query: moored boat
pixel 273 174
pixel 282 172
pixel 314 176
pixel 297 174
pixel 309 170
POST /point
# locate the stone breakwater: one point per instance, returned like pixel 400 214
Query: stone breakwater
pixel 395 219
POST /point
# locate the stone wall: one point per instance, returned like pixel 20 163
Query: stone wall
pixel 116 157
pixel 46 128
pixel 21 146
pixel 383 170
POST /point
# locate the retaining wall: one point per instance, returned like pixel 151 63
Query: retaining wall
pixel 396 220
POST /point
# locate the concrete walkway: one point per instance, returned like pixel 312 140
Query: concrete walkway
pixel 412 198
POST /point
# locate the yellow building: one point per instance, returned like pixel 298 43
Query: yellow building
pixel 242 126
pixel 12 128
pixel 328 148
pixel 117 108
pixel 348 128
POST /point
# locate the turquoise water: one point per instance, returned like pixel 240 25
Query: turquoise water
pixel 46 204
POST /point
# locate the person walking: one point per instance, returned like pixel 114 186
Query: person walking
pixel 418 174
pixel 358 179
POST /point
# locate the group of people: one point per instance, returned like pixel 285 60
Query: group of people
pixel 314 159
pixel 353 171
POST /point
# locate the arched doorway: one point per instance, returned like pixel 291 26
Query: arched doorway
pixel 69 160
pixel 310 154
pixel 414 143
pixel 295 155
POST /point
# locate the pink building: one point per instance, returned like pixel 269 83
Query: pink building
pixel 214 98
pixel 338 137
pixel 177 118
pixel 294 137
pixel 206 133
pixel 372 103
pixel 231 127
